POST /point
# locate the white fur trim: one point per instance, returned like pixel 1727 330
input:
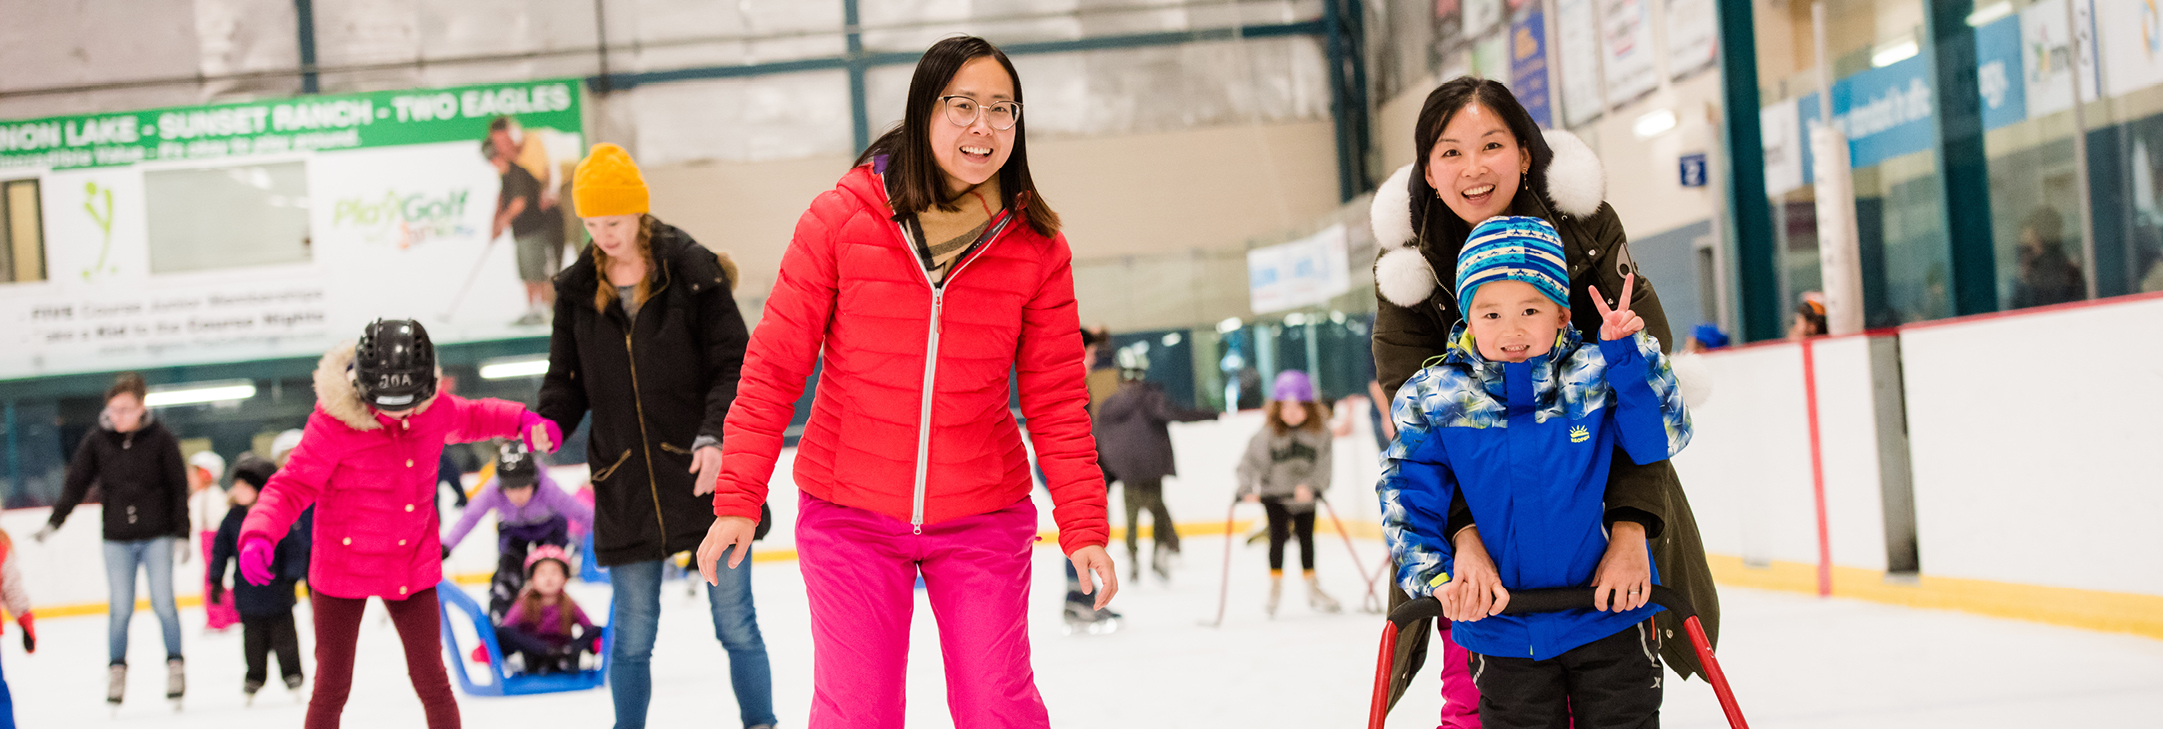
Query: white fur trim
pixel 1403 276
pixel 1392 210
pixel 1693 378
pixel 335 393
pixel 1575 180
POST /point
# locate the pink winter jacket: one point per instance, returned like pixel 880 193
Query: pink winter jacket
pixel 372 480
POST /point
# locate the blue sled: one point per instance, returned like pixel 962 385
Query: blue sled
pixel 453 600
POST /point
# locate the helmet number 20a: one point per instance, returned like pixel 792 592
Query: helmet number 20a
pixel 389 380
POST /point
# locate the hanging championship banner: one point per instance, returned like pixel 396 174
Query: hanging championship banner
pixel 1577 54
pixel 1626 46
pixel 1528 67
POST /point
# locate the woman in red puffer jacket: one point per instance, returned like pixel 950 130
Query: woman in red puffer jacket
pixel 925 277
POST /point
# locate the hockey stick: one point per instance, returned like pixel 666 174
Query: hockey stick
pixel 1372 603
pixel 1224 586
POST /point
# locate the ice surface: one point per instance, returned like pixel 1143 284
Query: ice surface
pixel 1795 661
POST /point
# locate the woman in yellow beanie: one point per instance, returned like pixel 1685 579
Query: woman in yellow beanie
pixel 648 340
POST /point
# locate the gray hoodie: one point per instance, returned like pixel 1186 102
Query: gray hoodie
pixel 1275 465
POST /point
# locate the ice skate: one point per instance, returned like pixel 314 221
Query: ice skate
pixel 1320 601
pixel 116 685
pixel 1134 566
pixel 1276 592
pixel 176 681
pixel 1160 562
pixel 1081 617
pixel 249 688
pixel 292 686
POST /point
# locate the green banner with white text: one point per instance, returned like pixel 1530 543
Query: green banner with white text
pixel 316 123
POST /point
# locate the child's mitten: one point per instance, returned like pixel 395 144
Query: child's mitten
pixel 30 632
pixel 540 434
pixel 255 557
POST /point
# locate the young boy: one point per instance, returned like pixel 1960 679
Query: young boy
pixel 1517 423
pixel 266 611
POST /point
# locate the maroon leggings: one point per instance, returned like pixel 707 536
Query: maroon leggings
pixel 337 628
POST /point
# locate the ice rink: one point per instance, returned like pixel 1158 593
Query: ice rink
pixel 1795 661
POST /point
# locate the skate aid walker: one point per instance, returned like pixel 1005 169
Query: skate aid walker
pixel 1546 601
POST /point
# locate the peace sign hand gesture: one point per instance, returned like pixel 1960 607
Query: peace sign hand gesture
pixel 1619 322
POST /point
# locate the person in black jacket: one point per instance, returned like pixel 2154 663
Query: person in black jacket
pixel 647 338
pixel 136 462
pixel 266 611
pixel 1137 446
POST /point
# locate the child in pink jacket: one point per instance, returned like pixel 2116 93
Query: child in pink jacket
pixel 367 462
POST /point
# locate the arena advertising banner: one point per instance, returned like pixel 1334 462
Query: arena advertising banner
pixel 276 228
pixel 1305 272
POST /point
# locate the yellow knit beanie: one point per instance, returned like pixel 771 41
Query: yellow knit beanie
pixel 608 183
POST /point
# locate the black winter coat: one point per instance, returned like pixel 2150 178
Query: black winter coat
pixel 654 384
pixel 145 485
pixel 1132 432
pixel 288 566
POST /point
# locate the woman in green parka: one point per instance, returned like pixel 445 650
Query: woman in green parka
pixel 1481 155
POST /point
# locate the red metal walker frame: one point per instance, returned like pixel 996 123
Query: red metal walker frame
pixel 1542 601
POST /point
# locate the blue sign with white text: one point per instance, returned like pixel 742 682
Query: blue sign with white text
pixel 1999 73
pixel 1528 67
pixel 1692 169
pixel 1885 112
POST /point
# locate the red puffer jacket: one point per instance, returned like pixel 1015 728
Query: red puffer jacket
pixel 852 285
pixel 372 480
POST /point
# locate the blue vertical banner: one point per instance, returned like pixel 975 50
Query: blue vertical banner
pixel 1528 66
pixel 1999 74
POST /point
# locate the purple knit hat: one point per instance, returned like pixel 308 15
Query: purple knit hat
pixel 1293 385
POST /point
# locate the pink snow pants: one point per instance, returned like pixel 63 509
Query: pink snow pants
pixel 860 569
pixel 1460 698
pixel 220 613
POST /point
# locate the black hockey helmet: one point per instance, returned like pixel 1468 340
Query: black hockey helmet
pixel 516 467
pixel 394 365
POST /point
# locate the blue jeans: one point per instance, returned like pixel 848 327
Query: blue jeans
pixel 155 556
pixel 635 613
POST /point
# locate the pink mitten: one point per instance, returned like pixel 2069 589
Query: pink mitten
pixel 548 440
pixel 255 558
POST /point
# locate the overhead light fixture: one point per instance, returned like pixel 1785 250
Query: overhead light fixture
pixel 1990 13
pixel 195 393
pixel 506 368
pixel 1894 52
pixel 1654 123
pixel 1295 319
pixel 1229 325
pixel 1173 339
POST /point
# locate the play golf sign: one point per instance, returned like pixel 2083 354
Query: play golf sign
pixel 274 228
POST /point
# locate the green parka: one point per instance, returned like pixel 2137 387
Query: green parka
pixel 1413 318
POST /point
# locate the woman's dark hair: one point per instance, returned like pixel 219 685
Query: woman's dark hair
pixel 128 383
pixel 913 178
pixel 1442 105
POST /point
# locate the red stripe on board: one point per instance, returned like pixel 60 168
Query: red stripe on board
pixel 1817 469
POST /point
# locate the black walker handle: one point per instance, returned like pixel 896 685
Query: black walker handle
pixel 1545 600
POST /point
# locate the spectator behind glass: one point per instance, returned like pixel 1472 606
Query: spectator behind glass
pixel 2047 276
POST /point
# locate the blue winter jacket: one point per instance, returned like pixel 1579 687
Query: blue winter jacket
pixel 1528 444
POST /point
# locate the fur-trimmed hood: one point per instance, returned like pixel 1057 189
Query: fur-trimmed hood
pixel 335 393
pixel 1576 183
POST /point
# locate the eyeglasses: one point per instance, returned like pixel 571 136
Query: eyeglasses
pixel 964 111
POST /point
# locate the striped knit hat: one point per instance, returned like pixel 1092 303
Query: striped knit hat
pixel 1513 248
